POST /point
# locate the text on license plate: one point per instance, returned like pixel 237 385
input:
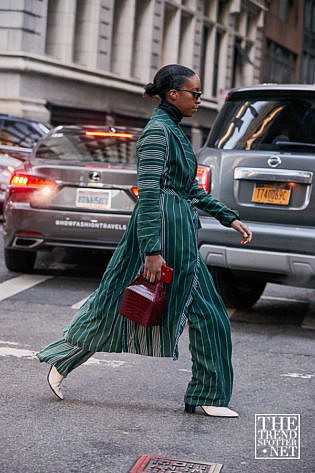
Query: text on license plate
pixel 93 199
pixel 271 194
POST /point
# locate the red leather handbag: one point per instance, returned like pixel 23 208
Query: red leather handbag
pixel 143 302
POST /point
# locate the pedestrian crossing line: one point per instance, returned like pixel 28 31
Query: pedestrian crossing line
pixel 20 283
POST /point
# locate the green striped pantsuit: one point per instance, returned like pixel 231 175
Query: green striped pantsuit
pixel 209 343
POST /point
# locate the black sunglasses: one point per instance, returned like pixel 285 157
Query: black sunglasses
pixel 195 93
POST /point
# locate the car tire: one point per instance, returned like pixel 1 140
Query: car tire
pixel 19 261
pixel 237 292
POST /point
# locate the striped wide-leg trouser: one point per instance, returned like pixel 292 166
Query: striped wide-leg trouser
pixel 209 343
pixel 210 346
pixel 64 356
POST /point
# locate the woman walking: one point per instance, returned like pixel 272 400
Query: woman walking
pixel 162 229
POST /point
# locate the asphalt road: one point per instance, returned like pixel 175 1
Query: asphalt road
pixel 118 407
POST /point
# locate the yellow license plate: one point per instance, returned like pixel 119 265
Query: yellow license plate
pixel 271 194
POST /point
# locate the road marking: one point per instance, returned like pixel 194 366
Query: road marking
pixel 282 299
pixel 31 355
pixel 77 305
pixel 298 375
pixel 21 283
pixel 17 352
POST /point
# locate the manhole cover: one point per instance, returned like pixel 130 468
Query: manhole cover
pixel 157 464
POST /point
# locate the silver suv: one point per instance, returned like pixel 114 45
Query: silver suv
pixel 261 155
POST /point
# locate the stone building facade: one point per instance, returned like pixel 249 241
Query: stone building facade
pixel 86 61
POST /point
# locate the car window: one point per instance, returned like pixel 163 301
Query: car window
pixel 265 124
pixel 80 147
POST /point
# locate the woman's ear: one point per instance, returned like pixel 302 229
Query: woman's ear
pixel 172 95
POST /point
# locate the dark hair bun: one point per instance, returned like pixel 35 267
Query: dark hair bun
pixel 150 89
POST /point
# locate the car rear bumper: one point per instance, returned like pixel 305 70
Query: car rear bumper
pixel 30 229
pixel 268 253
pixel 244 259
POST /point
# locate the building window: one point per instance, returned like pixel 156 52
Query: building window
pixel 308 69
pixel 204 53
pixel 280 64
pixel 221 12
pixel 283 9
pixel 307 14
pixel 313 18
pixel 217 49
pixel 237 63
pixel 189 3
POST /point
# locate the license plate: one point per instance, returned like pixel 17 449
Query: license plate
pixel 93 199
pixel 271 194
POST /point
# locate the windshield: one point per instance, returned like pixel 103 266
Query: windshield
pixel 260 124
pixel 78 146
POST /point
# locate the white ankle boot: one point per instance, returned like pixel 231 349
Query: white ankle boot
pixel 54 380
pixel 219 411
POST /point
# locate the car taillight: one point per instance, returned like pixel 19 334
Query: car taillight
pixel 203 177
pixel 27 181
pixel 40 191
pixel 109 134
pixel 135 191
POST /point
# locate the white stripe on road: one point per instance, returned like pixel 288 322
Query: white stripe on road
pixel 30 355
pixel 299 375
pixel 21 283
pixel 77 305
pixel 282 299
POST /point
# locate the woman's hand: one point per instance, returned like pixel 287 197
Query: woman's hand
pixel 152 267
pixel 243 230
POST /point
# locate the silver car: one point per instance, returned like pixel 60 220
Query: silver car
pixel 78 190
pixel 261 154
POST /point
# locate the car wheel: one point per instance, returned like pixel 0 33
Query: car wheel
pixel 237 292
pixel 19 261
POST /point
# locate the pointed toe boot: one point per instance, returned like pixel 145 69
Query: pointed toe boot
pixel 54 380
pixel 212 411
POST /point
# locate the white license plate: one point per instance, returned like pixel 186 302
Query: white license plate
pixel 97 199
